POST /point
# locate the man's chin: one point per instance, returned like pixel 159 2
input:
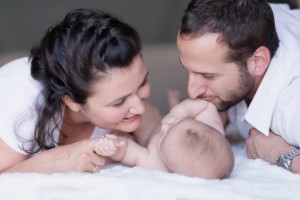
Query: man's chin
pixel 224 106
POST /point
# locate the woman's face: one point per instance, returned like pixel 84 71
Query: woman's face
pixel 118 99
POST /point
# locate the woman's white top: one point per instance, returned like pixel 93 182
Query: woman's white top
pixel 19 91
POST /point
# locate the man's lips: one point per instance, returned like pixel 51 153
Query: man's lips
pixel 210 99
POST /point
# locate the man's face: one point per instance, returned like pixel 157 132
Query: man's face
pixel 211 76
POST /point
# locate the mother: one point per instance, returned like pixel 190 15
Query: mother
pixel 85 79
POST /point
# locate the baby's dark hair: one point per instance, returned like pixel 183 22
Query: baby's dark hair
pixel 70 58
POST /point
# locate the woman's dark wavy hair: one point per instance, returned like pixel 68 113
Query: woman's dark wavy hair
pixel 70 58
pixel 244 25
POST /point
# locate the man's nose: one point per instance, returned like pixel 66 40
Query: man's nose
pixel 196 87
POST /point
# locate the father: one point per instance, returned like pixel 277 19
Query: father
pixel 237 59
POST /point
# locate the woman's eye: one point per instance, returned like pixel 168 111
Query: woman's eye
pixel 118 104
pixel 144 82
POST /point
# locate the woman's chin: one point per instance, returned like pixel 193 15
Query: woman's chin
pixel 129 127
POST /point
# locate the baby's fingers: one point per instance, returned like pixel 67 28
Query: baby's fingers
pixel 168 119
pixel 98 146
pixel 168 122
pixel 112 148
pixel 118 140
pixel 104 146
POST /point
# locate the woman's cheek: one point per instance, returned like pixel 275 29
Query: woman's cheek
pixel 116 117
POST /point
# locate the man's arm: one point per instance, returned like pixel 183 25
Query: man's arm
pixel 269 148
pixel 285 129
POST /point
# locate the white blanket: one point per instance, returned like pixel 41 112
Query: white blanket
pixel 250 179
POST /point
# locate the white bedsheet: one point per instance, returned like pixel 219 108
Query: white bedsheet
pixel 250 179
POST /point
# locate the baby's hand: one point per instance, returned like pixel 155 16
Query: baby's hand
pixel 108 145
pixel 170 120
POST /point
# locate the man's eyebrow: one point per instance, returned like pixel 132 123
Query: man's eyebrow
pixel 202 73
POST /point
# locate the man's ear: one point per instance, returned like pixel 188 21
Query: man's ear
pixel 260 61
pixel 70 103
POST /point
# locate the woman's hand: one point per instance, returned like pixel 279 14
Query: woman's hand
pixel 76 157
pixel 80 157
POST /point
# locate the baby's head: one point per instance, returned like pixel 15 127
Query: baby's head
pixel 195 149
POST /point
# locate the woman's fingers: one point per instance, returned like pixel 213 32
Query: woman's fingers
pixel 96 163
pixel 94 168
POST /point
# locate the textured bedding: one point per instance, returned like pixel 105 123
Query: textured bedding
pixel 250 179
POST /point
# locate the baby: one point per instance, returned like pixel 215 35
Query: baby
pixel 190 141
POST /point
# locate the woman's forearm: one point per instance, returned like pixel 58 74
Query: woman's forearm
pixel 44 162
pixel 77 157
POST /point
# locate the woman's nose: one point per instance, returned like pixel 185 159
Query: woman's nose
pixel 138 106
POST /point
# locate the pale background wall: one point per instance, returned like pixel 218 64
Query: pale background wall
pixel 24 22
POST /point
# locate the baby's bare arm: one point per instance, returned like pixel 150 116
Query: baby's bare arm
pixel 123 150
pixel 187 108
pixel 190 108
pixel 136 154
pixel 146 157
